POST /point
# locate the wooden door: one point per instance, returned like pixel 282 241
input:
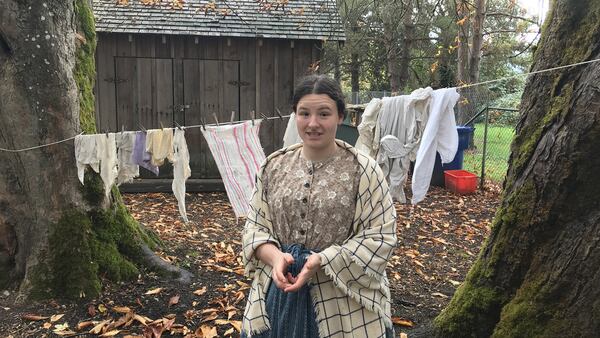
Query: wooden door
pixel 210 87
pixel 144 97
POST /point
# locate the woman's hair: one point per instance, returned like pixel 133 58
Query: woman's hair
pixel 320 84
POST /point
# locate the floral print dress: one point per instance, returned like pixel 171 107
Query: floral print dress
pixel 312 203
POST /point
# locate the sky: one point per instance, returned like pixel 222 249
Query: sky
pixel 535 7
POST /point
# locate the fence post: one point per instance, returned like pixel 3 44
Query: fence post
pixel 485 140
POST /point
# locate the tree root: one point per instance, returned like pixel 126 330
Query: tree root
pixel 154 262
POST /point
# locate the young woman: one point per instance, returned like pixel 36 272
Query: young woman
pixel 319 233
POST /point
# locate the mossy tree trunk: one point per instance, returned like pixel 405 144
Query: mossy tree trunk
pixel 56 236
pixel 537 274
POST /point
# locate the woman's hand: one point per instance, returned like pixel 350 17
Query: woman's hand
pixel 312 265
pixel 270 254
pixel 280 267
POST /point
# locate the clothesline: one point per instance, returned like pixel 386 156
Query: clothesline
pixel 40 146
pixel 526 74
pixel 182 127
pixel 281 117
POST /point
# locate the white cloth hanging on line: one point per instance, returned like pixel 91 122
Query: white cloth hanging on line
pixel 369 130
pixel 108 161
pixel 181 170
pixel 440 136
pixel 99 151
pixel 402 120
pixel 238 154
pixel 159 142
pixel 127 169
pixel 86 153
pixel 291 135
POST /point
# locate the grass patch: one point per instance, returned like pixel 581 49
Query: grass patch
pixel 497 152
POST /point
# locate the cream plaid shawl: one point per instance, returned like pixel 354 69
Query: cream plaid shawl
pixel 350 293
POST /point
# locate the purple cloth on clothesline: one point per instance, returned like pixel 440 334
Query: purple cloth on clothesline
pixel 140 156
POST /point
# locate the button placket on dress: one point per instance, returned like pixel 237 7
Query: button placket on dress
pixel 306 200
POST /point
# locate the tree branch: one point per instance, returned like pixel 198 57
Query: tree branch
pixel 512 16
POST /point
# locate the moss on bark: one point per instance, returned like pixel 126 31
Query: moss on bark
pixel 83 246
pixel 475 308
pixel 85 67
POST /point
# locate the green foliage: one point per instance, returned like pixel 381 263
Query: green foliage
pixel 85 67
pixel 368 24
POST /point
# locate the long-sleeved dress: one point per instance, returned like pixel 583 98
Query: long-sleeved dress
pixel 340 208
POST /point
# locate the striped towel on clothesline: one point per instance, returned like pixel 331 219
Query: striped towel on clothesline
pixel 238 154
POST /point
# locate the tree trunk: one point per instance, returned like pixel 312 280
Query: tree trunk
pixel 355 75
pixel 55 235
pixel 408 37
pixel 476 41
pixel 537 274
pixel 392 53
pixel 462 74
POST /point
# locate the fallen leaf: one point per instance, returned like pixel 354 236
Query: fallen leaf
pixel 200 291
pixel 47 325
pixel 231 313
pixel 174 300
pixel 98 328
pixel 83 325
pixel 65 332
pixel 153 331
pixel 153 291
pixel 209 310
pixel 102 308
pixel 418 263
pixel 403 335
pixel 210 317
pixel 121 309
pixel 229 332
pixel 438 294
pixel 237 324
pixel 61 327
pixel 440 240
pixel 91 310
pixel 29 316
pixel 453 282
pixel 206 331
pixel 110 333
pixel 143 320
pixel 56 318
pixel 221 322
pixel 402 322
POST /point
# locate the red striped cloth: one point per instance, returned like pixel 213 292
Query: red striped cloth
pixel 238 155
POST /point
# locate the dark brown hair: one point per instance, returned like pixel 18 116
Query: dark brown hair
pixel 320 84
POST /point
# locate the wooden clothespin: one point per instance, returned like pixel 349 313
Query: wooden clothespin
pixel 264 116
pixel 253 116
pixel 106 132
pixel 216 119
pixel 142 127
pixel 203 124
pixel 232 116
pixel 162 127
pixel 279 113
pixel 178 125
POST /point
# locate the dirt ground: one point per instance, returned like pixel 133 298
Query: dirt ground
pixel 438 241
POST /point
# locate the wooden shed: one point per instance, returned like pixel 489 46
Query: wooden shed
pixel 181 62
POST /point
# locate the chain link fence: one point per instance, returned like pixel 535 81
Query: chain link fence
pixel 492 111
pixel 494 114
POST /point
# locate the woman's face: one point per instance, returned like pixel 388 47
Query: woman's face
pixel 317 119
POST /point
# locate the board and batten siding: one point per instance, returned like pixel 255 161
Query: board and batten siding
pixel 157 80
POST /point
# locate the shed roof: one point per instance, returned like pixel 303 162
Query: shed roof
pixel 297 19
